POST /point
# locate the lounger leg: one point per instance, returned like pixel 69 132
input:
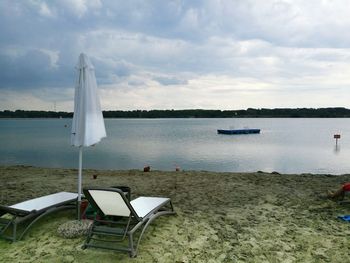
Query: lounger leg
pixel 88 238
pixel 171 206
pixel 133 252
pixel 14 232
pixel 10 226
pixel 40 216
pixel 150 220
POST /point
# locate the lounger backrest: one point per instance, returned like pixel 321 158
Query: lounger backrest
pixel 111 203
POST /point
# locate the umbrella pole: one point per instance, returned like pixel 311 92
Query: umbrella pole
pixel 80 179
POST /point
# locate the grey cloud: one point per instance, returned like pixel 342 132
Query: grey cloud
pixel 112 71
pixel 54 94
pixel 32 69
pixel 167 38
pixel 170 81
pixel 136 83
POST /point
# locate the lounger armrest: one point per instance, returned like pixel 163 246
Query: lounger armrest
pixel 14 211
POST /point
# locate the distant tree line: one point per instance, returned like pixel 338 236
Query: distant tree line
pixel 35 114
pixel 195 113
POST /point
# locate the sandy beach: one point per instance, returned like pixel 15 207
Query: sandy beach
pixel 221 217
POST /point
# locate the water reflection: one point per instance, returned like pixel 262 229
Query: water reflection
pixel 336 148
pixel 284 145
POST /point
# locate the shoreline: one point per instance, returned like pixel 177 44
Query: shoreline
pixel 175 171
pixel 221 216
pixel 328 112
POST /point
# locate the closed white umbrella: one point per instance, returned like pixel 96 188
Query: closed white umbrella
pixel 88 127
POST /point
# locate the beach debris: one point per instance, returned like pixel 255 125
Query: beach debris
pixel 74 228
pixel 147 168
pixel 345 218
pixel 177 167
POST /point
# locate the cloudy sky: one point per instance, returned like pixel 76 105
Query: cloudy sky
pixel 177 54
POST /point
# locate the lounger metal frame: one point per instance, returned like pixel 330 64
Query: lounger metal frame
pixel 119 227
pixel 9 227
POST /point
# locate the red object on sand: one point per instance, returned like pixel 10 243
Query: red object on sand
pixel 83 205
pixel 346 187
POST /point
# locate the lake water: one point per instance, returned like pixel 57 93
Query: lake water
pixel 284 145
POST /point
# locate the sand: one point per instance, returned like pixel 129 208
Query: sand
pixel 221 217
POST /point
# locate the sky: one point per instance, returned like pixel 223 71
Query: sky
pixel 173 54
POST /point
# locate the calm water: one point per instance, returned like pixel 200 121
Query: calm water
pixel 284 145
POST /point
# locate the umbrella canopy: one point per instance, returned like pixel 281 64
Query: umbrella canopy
pixel 88 127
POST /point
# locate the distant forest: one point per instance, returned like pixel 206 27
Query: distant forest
pixel 195 113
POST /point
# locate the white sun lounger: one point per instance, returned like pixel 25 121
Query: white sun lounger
pixel 31 211
pixel 124 218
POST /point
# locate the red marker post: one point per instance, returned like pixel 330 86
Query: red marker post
pixel 336 137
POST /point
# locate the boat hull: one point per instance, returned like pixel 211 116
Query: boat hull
pixel 239 131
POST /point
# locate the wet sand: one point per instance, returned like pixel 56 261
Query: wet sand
pixel 221 217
